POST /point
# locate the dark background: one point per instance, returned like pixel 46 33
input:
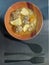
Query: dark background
pixel 9 44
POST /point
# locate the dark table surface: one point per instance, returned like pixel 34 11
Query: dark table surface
pixel 9 44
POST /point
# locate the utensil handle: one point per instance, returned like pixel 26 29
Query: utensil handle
pixel 11 61
pixel 29 54
pixel 7 54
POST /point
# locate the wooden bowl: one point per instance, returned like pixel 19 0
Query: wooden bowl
pixel 20 5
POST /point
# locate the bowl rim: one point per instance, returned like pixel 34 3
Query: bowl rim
pixel 40 14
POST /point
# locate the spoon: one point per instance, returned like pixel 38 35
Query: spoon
pixel 36 48
pixel 33 60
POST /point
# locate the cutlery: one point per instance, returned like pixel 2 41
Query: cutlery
pixel 36 48
pixel 33 60
pixel 28 54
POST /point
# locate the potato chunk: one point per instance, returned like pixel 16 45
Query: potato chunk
pixel 24 11
pixel 16 22
pixel 26 27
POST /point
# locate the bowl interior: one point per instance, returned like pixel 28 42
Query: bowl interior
pixel 20 5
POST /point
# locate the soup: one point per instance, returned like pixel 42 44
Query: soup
pixel 23 21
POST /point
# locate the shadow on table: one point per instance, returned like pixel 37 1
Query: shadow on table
pixel 5 33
